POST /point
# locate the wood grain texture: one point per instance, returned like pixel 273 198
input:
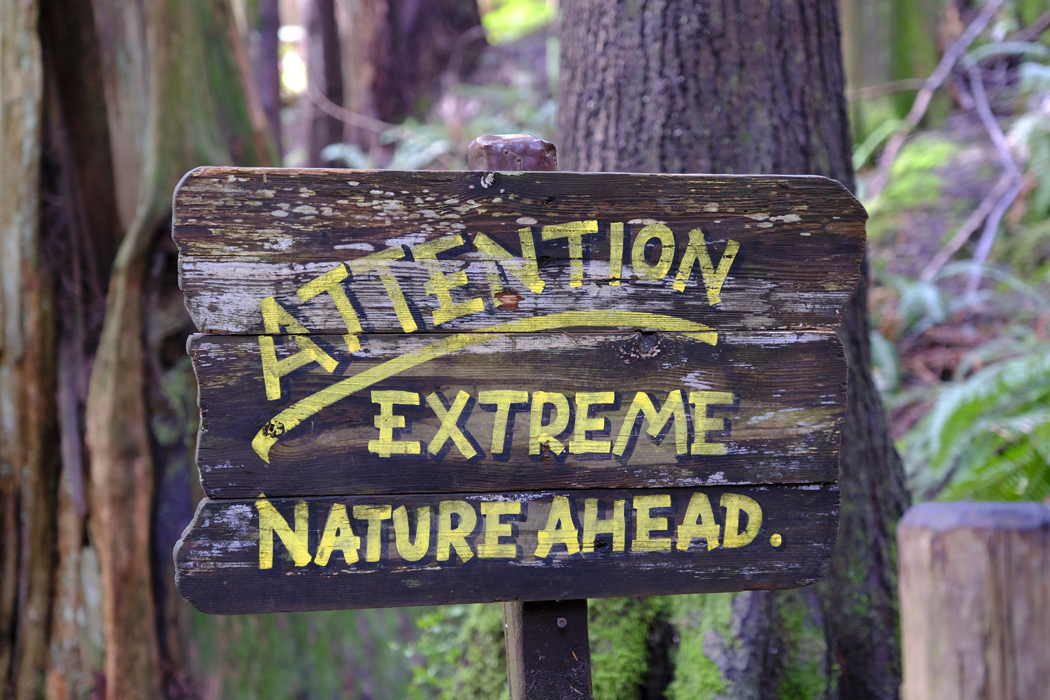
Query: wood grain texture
pixel 548 649
pixel 782 425
pixel 247 234
pixel 218 559
pixel 704 358
pixel 975 604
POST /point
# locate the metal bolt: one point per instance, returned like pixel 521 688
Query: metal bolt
pixel 562 622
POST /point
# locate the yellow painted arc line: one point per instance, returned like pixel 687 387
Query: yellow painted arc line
pixel 313 404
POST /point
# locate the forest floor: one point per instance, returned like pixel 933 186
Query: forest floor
pixel 940 346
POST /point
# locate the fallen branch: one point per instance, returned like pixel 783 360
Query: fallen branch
pixel 991 226
pixel 361 121
pixel 1033 30
pixel 966 230
pixel 991 125
pixel 994 206
pixel 873 91
pixel 376 126
pixel 922 100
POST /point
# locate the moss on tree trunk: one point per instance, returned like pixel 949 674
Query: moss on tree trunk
pixel 747 86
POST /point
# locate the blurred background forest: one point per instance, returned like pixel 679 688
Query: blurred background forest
pixel 949 108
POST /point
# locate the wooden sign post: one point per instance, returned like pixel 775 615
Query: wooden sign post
pixel 436 387
pixel 548 647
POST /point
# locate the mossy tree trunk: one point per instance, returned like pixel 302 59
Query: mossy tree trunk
pixel 750 87
pixel 889 40
pixel 188 87
pixel 106 105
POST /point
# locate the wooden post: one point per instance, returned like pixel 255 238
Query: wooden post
pixel 975 601
pixel 548 651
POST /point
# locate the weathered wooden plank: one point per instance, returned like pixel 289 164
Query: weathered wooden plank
pixel 791 247
pixel 386 350
pixel 754 408
pixel 502 546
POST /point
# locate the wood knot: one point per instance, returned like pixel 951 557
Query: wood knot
pixel 508 300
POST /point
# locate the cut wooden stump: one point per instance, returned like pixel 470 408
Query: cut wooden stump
pixel 975 601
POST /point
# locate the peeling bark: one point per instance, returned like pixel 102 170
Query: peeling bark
pixel 121 485
pixel 26 358
pixel 88 172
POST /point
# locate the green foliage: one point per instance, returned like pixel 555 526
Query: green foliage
pixel 986 432
pixel 983 431
pixel 1003 48
pixel 921 304
pixel 512 19
pixel 802 642
pixel 511 109
pixel 313 656
pixel 1027 251
pixel 885 363
pixel 1031 133
pixel 912 180
pixel 415 150
pixel 487 109
pixel 440 651
pixel 464 654
pixel 1029 10
pixel 886 41
pixel 914 51
pixel 863 152
pixel 619 628
pixel 695 617
pixel 988 435
pixel 178 386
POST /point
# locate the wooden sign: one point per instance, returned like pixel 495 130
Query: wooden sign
pixel 435 387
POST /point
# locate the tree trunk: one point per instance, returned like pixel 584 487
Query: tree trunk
pixel 745 87
pixel 89 166
pixel 80 231
pixel 397 52
pixel 325 75
pixel 264 51
pixel 892 40
pixel 121 482
pixel 27 459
